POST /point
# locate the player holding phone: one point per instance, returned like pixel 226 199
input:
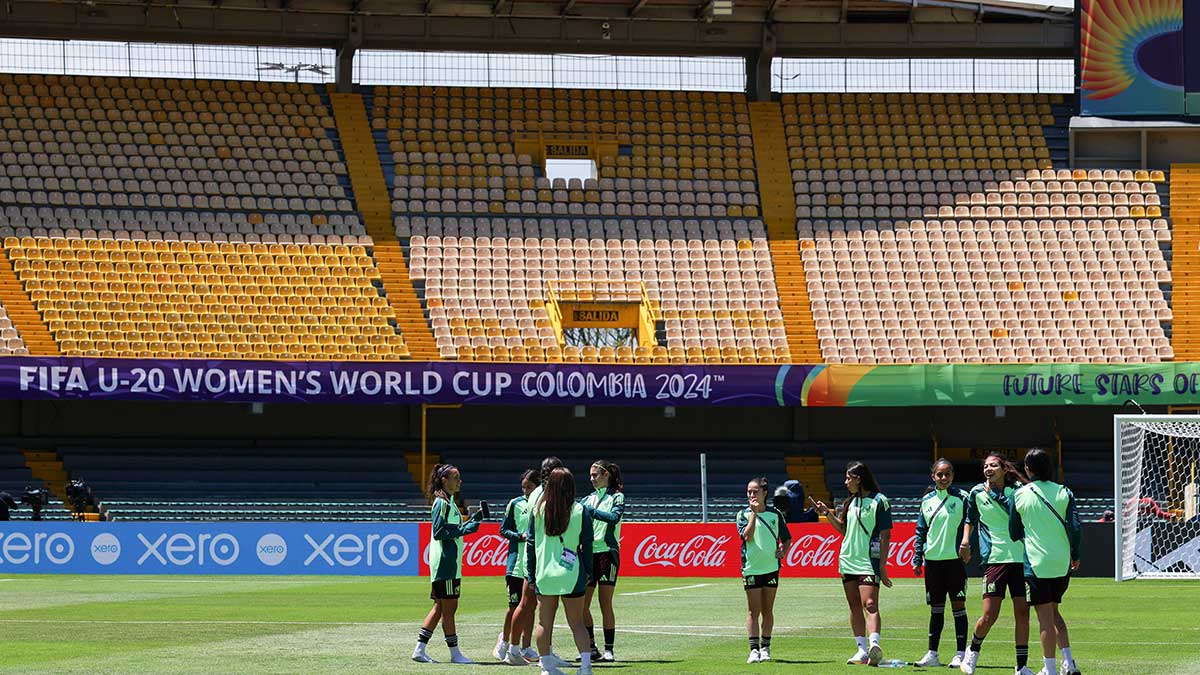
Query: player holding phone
pixel 445 561
pixel 765 540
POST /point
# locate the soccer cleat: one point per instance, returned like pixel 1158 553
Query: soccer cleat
pixel 1043 672
pixel 754 657
pixel 584 670
pixel 860 658
pixel 956 662
pixel 968 663
pixel 552 670
pixel 420 656
pixel 608 656
pixel 764 654
pixel 529 654
pixel 461 658
pixel 555 660
pixel 514 657
pixel 596 654
pixel 1023 670
pixel 874 655
pixel 930 660
pixel 500 651
pixel 1068 669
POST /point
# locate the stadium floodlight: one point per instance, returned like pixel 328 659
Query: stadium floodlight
pixel 294 69
pixel 722 7
pixel 1157 512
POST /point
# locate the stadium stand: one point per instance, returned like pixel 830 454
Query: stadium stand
pixel 676 208
pixel 180 218
pixel 244 481
pixel 10 340
pixel 16 476
pixel 880 191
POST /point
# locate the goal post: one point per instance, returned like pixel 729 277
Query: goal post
pixel 1156 469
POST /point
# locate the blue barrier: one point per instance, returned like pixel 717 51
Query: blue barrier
pixel 391 549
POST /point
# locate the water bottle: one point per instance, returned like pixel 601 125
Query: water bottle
pixel 892 663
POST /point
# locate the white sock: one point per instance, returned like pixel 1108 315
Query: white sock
pixel 861 642
pixel 1050 666
pixel 1066 654
pixel 875 639
pixel 585 659
pixel 420 647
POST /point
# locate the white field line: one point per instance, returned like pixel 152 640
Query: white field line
pixel 727 631
pixel 667 590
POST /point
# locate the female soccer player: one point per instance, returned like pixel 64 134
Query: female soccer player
pixel 445 561
pixel 513 646
pixel 1002 558
pixel 559 553
pixel 607 506
pixel 1042 513
pixel 527 611
pixel 865 521
pixel 940 524
pixel 765 540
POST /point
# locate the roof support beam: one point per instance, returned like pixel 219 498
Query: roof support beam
pixel 566 9
pixel 637 7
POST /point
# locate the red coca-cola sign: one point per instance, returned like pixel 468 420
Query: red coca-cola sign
pixel 692 550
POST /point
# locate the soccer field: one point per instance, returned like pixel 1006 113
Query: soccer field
pixel 362 626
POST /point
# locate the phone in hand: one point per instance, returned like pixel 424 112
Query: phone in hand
pixel 483 509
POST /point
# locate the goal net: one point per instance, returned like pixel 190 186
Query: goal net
pixel 1157 512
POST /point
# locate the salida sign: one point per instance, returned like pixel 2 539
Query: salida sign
pixel 692 550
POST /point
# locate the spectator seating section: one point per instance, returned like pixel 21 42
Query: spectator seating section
pixel 681 154
pixel 310 472
pixel 104 297
pixel 15 476
pixel 958 242
pixel 10 340
pixel 676 209
pixel 170 144
pixel 712 284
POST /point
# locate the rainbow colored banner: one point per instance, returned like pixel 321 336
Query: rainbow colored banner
pixel 411 383
pixel 1132 57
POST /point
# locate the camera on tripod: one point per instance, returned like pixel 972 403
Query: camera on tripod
pixel 36 499
pixel 80 496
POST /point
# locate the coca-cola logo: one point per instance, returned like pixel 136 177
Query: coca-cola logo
pixel 490 550
pixel 814 550
pixel 702 550
pixel 903 554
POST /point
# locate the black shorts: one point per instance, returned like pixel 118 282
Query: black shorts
pixel 1042 591
pixel 1004 577
pixel 516 587
pixel 449 589
pixel 761 581
pixel 604 569
pixel 945 578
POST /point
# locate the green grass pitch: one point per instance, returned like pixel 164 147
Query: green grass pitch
pixel 64 625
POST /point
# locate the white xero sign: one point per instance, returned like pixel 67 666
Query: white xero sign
pixel 181 549
pixel 349 550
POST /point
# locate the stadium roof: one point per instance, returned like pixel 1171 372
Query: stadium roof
pixel 865 28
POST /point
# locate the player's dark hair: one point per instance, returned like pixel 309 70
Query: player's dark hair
pixel 762 483
pixel 1012 475
pixel 549 464
pixel 533 476
pixel 866 481
pixel 558 496
pixel 1039 465
pixel 437 480
pixel 614 474
pixel 933 469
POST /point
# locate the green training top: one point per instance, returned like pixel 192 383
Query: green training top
pixel 561 564
pixel 1043 514
pixel 940 523
pixel 607 510
pixel 513 528
pixel 865 517
pixel 445 548
pixel 758 552
pixel 987 511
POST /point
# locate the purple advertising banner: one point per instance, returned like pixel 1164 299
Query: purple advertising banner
pixel 403 382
